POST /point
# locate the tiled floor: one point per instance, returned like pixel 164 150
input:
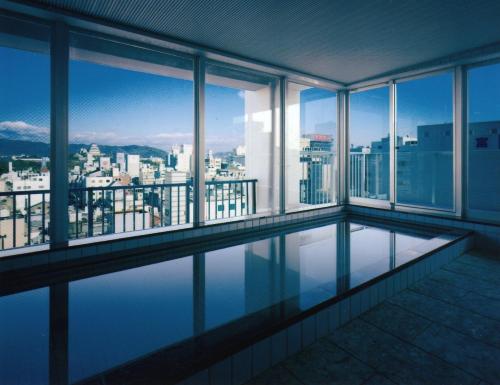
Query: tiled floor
pixel 443 330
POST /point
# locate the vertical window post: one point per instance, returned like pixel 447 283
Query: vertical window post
pixel 343 146
pixel 199 142
pixel 392 143
pixel 460 139
pixel 59 51
pixel 282 138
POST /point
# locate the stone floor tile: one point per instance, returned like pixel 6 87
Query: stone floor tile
pixel 397 321
pixel 324 363
pixel 455 317
pixel 277 375
pixel 467 282
pixel 399 361
pixel 488 307
pixel 378 379
pixel 462 351
pixel 491 264
pixel 443 291
pixel 473 271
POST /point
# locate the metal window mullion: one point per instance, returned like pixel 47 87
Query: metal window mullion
pixel 282 147
pixel 199 142
pixel 59 71
pixel 459 139
pixel 392 143
pixel 342 147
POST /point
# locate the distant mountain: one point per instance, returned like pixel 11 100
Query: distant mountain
pixel 23 147
pixel 10 147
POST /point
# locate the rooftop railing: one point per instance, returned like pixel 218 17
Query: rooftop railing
pixel 93 211
pixel 24 218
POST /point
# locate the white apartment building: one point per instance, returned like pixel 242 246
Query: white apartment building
pixel 105 163
pixel 121 161
pixel 30 182
pixel 133 165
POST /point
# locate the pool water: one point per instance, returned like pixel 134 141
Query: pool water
pixel 120 317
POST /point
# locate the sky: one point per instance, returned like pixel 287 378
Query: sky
pixel 115 106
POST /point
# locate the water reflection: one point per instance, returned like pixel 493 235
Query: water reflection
pixel 116 318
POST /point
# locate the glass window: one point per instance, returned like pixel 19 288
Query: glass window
pixel 311 156
pixel 369 143
pixel 130 138
pixel 24 134
pixel 484 140
pixel 424 142
pixel 241 159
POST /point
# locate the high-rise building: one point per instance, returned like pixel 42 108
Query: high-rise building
pixel 316 156
pixel 105 163
pixel 121 161
pixel 133 165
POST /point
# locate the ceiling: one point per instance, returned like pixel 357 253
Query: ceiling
pixel 345 41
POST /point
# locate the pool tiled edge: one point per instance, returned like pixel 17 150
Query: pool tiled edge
pixel 322 320
pixel 45 258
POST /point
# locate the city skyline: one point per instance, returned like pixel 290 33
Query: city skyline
pixel 24 107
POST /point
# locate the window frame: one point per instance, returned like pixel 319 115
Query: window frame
pixel 468 213
pixel 378 203
pixel 338 174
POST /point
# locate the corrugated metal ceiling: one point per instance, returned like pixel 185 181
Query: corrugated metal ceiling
pixel 345 41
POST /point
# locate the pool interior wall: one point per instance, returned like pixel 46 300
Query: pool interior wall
pixel 272 328
pixel 250 361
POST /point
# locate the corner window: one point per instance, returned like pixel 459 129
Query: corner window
pixel 483 144
pixel 424 153
pixel 241 147
pixel 369 144
pixel 311 142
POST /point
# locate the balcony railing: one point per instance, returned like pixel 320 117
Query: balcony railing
pixel 369 175
pixel 231 198
pixel 24 218
pixel 317 177
pixel 94 211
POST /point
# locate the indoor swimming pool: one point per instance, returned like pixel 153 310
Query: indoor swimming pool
pixel 123 323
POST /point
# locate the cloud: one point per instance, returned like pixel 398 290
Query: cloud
pixel 20 130
pixel 162 140
pixel 241 94
pixel 88 137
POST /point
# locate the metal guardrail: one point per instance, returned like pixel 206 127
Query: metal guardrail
pixel 116 209
pixel 365 174
pixel 317 175
pixel 24 212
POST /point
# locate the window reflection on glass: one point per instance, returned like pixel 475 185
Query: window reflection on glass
pixel 130 139
pixel 484 139
pixel 369 143
pixel 24 338
pixel 24 138
pixel 118 317
pixel 241 159
pixel 424 142
pixel 311 156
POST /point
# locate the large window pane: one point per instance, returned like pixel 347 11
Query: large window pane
pixel 484 140
pixel 369 143
pixel 241 154
pixel 24 135
pixel 131 138
pixel 424 142
pixel 311 156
